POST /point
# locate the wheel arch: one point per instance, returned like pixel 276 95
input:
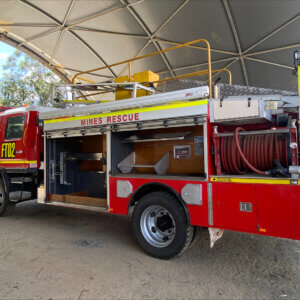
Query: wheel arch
pixel 156 187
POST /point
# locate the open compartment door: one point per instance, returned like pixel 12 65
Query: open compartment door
pixel 76 171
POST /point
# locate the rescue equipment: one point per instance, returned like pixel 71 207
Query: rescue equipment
pixel 253 152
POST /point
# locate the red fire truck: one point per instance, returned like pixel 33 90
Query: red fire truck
pixel 174 154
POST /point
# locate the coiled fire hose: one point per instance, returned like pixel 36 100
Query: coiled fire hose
pixel 257 153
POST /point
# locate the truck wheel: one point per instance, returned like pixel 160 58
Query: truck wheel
pixel 6 207
pixel 160 225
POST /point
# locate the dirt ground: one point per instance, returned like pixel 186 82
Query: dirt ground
pixel 59 253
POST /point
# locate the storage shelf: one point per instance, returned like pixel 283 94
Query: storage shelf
pixel 158 137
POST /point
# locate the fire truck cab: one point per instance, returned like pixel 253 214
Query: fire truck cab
pixel 21 155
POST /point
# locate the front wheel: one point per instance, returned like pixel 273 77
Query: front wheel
pixel 6 206
pixel 160 225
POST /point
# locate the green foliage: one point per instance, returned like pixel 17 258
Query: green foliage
pixel 25 81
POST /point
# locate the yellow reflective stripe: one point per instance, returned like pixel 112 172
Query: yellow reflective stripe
pixel 6 161
pixel 131 111
pixel 253 180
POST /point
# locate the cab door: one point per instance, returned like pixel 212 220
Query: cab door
pixel 13 148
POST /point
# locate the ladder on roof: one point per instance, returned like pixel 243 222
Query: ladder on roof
pixel 146 101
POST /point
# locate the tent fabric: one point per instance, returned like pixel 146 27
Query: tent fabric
pixel 255 39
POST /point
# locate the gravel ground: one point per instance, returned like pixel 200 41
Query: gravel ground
pixel 59 253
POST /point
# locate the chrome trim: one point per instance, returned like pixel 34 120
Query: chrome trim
pixel 45 171
pixel 210 204
pixel 205 149
pixel 108 165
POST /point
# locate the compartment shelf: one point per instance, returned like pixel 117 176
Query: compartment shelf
pixel 158 137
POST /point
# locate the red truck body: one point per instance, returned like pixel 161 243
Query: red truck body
pixel 274 202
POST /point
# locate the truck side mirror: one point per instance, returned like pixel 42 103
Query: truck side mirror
pixel 296 61
pixel 297 57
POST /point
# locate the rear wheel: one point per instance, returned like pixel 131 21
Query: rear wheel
pixel 160 225
pixel 6 207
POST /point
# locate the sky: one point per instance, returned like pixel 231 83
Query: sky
pixel 5 52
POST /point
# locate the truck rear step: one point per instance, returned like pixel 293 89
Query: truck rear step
pixel 84 207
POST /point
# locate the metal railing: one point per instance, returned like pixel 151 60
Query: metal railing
pixel 129 61
pixel 208 71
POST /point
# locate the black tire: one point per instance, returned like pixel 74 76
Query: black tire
pixel 148 210
pixel 6 207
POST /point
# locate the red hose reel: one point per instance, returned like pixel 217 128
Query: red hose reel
pixel 254 152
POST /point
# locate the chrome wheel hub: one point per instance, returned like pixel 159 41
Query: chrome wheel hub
pixel 157 226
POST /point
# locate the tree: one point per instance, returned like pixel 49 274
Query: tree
pixel 26 81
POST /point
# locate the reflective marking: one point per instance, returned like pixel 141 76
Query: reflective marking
pixel 254 180
pixel 8 150
pixel 2 161
pixel 130 111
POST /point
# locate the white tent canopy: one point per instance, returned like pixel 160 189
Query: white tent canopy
pixel 255 39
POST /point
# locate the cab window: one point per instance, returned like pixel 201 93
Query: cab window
pixel 14 127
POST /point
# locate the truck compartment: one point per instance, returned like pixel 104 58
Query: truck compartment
pixel 76 170
pixel 164 151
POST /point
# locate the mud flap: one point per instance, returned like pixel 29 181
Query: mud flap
pixel 214 234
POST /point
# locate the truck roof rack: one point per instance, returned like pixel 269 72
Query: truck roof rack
pixel 146 101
